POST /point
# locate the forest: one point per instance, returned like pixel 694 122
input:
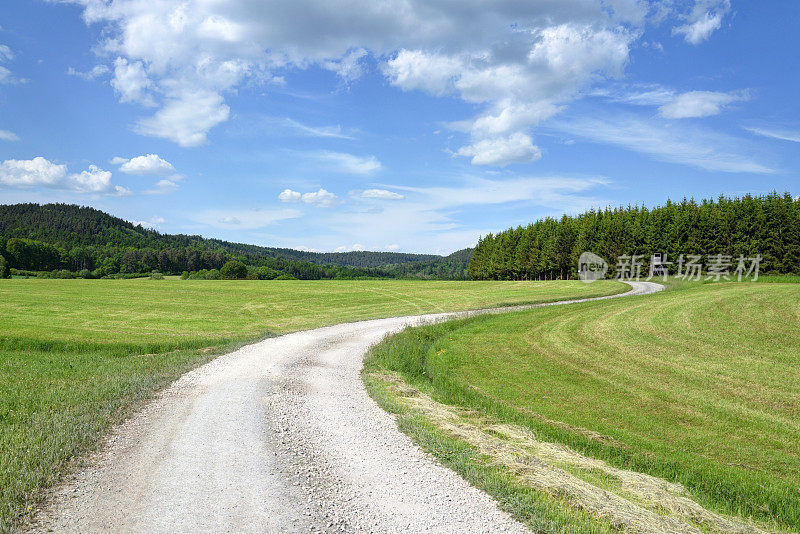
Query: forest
pixel 767 225
pixel 65 241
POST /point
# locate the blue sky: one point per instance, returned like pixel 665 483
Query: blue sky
pixel 404 125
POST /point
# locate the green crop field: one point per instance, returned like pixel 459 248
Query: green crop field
pixel 77 355
pixel 698 385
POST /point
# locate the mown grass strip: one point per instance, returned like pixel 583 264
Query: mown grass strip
pixel 696 386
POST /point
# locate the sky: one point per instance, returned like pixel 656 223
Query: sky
pixel 399 125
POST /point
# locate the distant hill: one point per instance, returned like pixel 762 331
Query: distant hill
pixel 78 229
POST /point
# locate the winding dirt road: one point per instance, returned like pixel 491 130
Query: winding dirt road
pixel 279 436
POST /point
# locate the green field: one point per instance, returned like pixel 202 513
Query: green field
pixel 76 356
pixel 698 385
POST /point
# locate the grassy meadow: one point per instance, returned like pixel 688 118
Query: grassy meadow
pixel 76 356
pixel 698 385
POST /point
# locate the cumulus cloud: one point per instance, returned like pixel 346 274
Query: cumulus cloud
pixel 516 148
pixel 186 117
pixel 704 18
pixel 6 135
pixel 519 60
pixel 699 104
pixel 287 195
pixel 320 198
pixel 131 82
pixel 350 67
pixel 40 172
pixel 382 194
pixel 431 72
pixel 147 165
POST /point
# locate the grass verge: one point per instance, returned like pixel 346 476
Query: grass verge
pixel 695 386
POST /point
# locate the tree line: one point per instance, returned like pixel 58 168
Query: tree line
pixel 52 238
pixel 767 225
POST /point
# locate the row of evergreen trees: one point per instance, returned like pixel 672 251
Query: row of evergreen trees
pixel 548 249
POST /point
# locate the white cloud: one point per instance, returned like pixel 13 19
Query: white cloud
pixel 245 219
pixel 5 53
pixel 382 194
pixel 96 72
pixel 6 135
pixel 415 69
pixel 699 104
pixel 151 223
pixel 704 18
pixel 509 56
pixel 40 172
pixel 347 163
pixel 783 135
pixel 516 148
pixel 131 82
pixel 162 187
pixel 393 247
pixel 350 67
pixel 186 117
pixel 693 146
pixel 321 198
pixel 6 77
pixel 287 195
pixel 317 131
pixel 148 165
pixel 427 219
pixel 350 248
pixel 33 172
pixel 637 94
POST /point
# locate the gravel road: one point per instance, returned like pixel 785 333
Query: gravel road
pixel 279 436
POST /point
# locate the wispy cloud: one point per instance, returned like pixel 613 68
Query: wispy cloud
pixel 335 132
pixel 5 135
pixel 674 143
pixel 379 194
pixel 430 218
pixel 700 104
pixel 346 163
pixel 245 219
pixel 783 135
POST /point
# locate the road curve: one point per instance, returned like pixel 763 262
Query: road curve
pixel 278 436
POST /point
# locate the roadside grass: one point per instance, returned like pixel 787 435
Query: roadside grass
pixel 540 511
pixel 77 356
pixel 698 385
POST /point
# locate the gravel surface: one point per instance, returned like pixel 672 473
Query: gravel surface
pixel 279 436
